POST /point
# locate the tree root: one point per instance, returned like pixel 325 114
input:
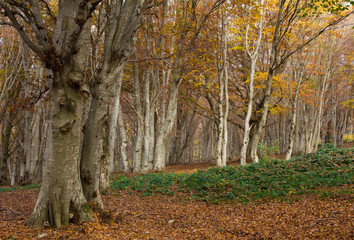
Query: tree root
pixel 57 212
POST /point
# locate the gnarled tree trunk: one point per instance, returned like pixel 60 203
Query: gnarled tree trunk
pixel 61 192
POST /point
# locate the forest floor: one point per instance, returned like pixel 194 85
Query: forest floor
pixel 129 215
pixel 321 213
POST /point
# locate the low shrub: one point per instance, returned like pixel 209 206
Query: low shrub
pixel 329 166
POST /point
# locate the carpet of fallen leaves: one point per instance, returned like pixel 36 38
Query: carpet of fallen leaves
pixel 129 215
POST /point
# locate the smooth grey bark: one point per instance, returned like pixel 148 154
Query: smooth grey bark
pixel 96 132
pixel 138 149
pixel 124 19
pixel 293 120
pixel 254 57
pixel 266 98
pixel 113 129
pixel 33 153
pixel 221 154
pixel 167 125
pixel 298 75
pixel 227 107
pixel 149 138
pixel 168 108
pixel 124 140
pixel 32 135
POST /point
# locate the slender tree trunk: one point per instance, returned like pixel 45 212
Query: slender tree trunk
pixel 113 129
pixel 254 56
pixel 291 135
pixel 221 147
pixel 220 129
pixel 149 138
pixel 334 117
pixel 247 128
pixel 138 149
pixel 318 120
pixel 34 145
pixel 5 149
pixel 124 141
pixel 167 125
pixel 226 114
pixel 293 122
pixel 266 98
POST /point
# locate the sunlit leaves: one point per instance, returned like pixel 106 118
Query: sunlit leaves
pixel 348 103
pixel 316 7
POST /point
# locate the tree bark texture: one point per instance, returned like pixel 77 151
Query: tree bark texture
pixel 61 192
pixel 124 19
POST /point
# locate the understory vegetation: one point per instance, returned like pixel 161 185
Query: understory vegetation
pixel 305 174
pixel 313 173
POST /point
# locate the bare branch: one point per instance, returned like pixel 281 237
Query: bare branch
pixel 20 29
pixel 312 38
pixel 49 11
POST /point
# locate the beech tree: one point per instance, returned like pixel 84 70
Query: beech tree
pixel 253 55
pixel 288 11
pixel 123 21
pixel 62 44
pixel 187 95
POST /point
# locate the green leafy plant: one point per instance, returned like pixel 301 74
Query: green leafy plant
pixel 305 174
pixel 17 188
pixel 267 151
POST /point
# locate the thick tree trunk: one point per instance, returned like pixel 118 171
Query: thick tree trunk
pixel 61 192
pixel 64 48
pixel 95 148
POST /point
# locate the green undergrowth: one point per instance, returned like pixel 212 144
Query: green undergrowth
pixel 19 188
pixel 312 173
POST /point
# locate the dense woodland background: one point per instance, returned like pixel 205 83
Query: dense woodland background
pixel 140 85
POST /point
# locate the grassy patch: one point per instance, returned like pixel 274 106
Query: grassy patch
pixel 271 179
pixel 11 189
